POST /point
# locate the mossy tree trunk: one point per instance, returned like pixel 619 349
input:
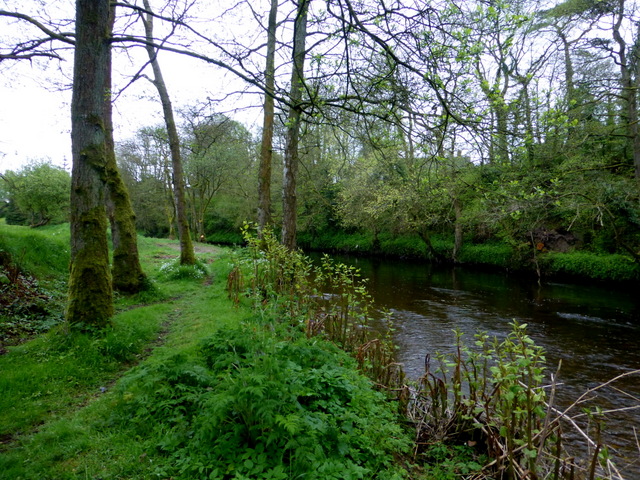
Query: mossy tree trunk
pixel 289 195
pixel 127 274
pixel 187 254
pixel 90 302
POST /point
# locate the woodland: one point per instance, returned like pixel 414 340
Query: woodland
pixel 500 133
pixel 480 132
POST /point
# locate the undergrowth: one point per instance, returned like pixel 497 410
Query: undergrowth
pixel 591 265
pixel 261 401
pixel 482 413
pixel 33 265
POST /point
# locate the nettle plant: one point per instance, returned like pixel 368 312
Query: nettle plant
pixel 261 402
pixel 491 396
pixel 328 299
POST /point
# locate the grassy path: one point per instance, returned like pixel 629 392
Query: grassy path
pixel 186 385
pixel 56 388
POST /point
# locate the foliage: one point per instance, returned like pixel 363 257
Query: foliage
pixel 29 306
pixel 40 193
pixel 255 404
pixel 26 309
pixel 55 401
pixel 491 396
pixel 174 270
pixel 489 253
pixel 450 462
pixel 218 150
pixel 328 299
pixel 591 265
pixel 225 238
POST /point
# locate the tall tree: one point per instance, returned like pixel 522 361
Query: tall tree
pixel 127 274
pixel 266 149
pixel 628 59
pixel 90 302
pixel 289 198
pixel 187 254
pixel 218 152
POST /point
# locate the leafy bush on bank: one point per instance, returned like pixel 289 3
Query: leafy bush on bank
pixel 581 264
pixel 262 402
pixel 591 265
pixel 494 254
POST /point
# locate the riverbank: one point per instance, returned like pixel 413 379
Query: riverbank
pixel 573 265
pixel 187 384
pixel 244 367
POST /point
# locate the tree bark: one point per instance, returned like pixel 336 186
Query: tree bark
pixel 289 197
pixel 629 89
pixel 266 150
pixel 569 76
pixel 126 271
pixel 187 255
pixel 90 301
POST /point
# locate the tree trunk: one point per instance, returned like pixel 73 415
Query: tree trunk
pixel 126 271
pixel 570 92
pixel 170 199
pixel 187 255
pixel 266 150
pixel 289 197
pixel 629 90
pixel 90 302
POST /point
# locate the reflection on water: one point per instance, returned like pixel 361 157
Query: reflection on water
pixel 594 330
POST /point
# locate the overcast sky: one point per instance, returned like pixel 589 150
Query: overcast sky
pixel 35 119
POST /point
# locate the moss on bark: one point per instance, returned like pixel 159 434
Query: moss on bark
pixel 90 302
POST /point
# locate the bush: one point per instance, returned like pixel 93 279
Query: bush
pixel 254 404
pixel 497 254
pixel 173 270
pixel 590 265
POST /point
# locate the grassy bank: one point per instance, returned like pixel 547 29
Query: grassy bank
pixel 185 384
pixel 576 264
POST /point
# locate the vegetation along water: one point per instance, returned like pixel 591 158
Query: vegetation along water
pixel 503 134
pixel 231 369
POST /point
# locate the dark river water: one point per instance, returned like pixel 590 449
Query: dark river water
pixel 593 329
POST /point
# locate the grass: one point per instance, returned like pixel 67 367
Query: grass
pixel 42 252
pixel 129 402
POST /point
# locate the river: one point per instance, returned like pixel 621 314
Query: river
pixel 593 329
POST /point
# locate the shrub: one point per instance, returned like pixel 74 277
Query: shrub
pixel 591 265
pixel 173 270
pixel 497 254
pixel 258 404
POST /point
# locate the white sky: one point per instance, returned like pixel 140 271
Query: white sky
pixel 35 119
pixel 35 122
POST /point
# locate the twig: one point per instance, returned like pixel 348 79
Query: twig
pixel 591 390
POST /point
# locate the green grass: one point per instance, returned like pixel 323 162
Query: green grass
pixel 591 265
pixel 129 402
pixel 42 252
